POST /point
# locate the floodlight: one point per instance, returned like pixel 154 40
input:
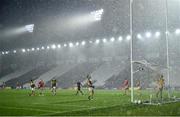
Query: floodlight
pixel 59 46
pixel 157 34
pixel 83 43
pixel 97 15
pixel 6 52
pixel 104 40
pixel 14 51
pixel 148 34
pixel 71 45
pixel 120 38
pixel 53 46
pixel 139 36
pixel 128 37
pixel 32 49
pixel 90 42
pixel 97 41
pixel 77 43
pixel 112 39
pixel 177 31
pixel 23 50
pixel 29 28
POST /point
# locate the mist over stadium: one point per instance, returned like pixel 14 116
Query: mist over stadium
pixel 110 40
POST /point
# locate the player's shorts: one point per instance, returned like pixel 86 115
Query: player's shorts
pixel 90 88
pixel 79 88
pixel 32 89
pixel 126 87
pixel 54 87
pixel 138 88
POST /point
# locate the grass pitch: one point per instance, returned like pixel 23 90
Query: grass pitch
pixel 66 103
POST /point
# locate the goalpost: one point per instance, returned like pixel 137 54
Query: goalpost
pixel 152 73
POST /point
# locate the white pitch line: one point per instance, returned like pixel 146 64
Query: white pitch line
pixel 39 104
pixel 19 108
pixel 80 110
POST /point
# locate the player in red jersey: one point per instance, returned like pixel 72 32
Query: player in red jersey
pixel 126 86
pixel 41 87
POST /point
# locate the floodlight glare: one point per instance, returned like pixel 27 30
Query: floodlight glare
pixel 139 36
pixel 42 47
pixel 53 46
pixel 112 39
pixel 3 53
pixel 48 47
pixel 120 38
pixel 6 52
pixel 83 43
pixel 97 15
pixel 97 41
pixel 37 49
pixel 77 43
pixel 32 49
pixel 65 45
pixel 28 50
pixel 148 34
pixel 90 42
pixel 29 28
pixel 177 31
pixel 70 45
pixel 128 37
pixel 157 34
pixel 104 40
pixel 23 50
pixel 59 46
pixel 14 51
